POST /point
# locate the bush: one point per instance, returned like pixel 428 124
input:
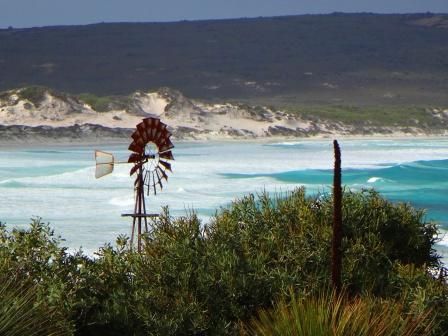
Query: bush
pixel 34 94
pixel 105 103
pixel 22 314
pixel 29 301
pixel 191 279
pixel 332 315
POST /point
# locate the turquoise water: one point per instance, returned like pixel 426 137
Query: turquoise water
pixel 58 184
pixel 424 184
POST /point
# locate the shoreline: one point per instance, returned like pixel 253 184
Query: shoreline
pixel 90 141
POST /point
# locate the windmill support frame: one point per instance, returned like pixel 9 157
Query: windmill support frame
pixel 139 217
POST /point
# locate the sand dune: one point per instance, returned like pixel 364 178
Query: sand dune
pixel 57 116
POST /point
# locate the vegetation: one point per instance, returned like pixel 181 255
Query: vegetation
pixel 330 314
pixel 319 59
pixel 34 94
pixel 417 116
pixel 358 115
pixel 214 280
pixel 22 314
pixel 104 103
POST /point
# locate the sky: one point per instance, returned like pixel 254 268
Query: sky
pixel 33 13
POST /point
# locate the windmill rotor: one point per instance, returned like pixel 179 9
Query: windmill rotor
pixel 151 151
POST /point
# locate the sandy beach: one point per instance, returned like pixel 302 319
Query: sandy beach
pixel 60 120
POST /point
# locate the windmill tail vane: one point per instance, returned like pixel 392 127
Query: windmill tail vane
pixel 104 163
pixel 151 151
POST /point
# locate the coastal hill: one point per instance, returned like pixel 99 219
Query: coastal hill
pixel 37 113
pixel 348 59
pixel 338 74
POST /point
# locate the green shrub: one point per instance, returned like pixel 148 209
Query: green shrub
pixel 331 315
pixel 104 103
pixel 34 94
pixel 191 279
pixel 22 313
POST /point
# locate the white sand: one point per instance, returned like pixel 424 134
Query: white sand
pixel 191 119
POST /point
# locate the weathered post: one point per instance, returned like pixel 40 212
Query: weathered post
pixel 336 258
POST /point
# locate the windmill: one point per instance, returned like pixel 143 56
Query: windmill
pixel 151 151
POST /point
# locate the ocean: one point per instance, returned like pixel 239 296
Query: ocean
pixel 57 183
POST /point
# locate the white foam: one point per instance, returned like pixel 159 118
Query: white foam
pixel 443 235
pixel 122 202
pixel 87 211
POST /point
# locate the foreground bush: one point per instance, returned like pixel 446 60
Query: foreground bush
pixel 329 314
pixel 22 314
pixel 195 280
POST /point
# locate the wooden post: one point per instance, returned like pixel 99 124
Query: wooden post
pixel 336 258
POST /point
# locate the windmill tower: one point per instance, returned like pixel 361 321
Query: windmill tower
pixel 151 151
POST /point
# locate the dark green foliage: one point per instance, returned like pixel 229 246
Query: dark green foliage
pixel 29 263
pixel 329 314
pixel 104 103
pixel 205 281
pixel 371 115
pixel 35 94
pixel 22 314
pixel 349 58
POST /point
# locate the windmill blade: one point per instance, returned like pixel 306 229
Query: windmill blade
pixel 151 122
pixel 104 163
pixel 164 175
pixel 151 125
pixel 164 136
pixel 141 128
pixel 159 180
pixel 158 132
pixel 134 157
pixel 165 146
pixel 154 184
pixel 139 138
pixel 147 182
pixel 150 134
pixel 165 164
pixel 136 147
pixel 135 168
pixel 167 155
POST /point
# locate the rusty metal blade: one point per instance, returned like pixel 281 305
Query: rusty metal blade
pixel 139 139
pixel 165 164
pixel 134 157
pixel 156 122
pixel 165 146
pixel 164 175
pixel 135 168
pixel 159 180
pixel 147 122
pixel 154 184
pixel 155 136
pixel 135 147
pixel 160 133
pixel 140 132
pixel 167 155
pixel 145 176
pixel 148 183
pixel 149 134
pixel 164 134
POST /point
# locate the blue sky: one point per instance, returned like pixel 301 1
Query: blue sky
pixel 30 13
